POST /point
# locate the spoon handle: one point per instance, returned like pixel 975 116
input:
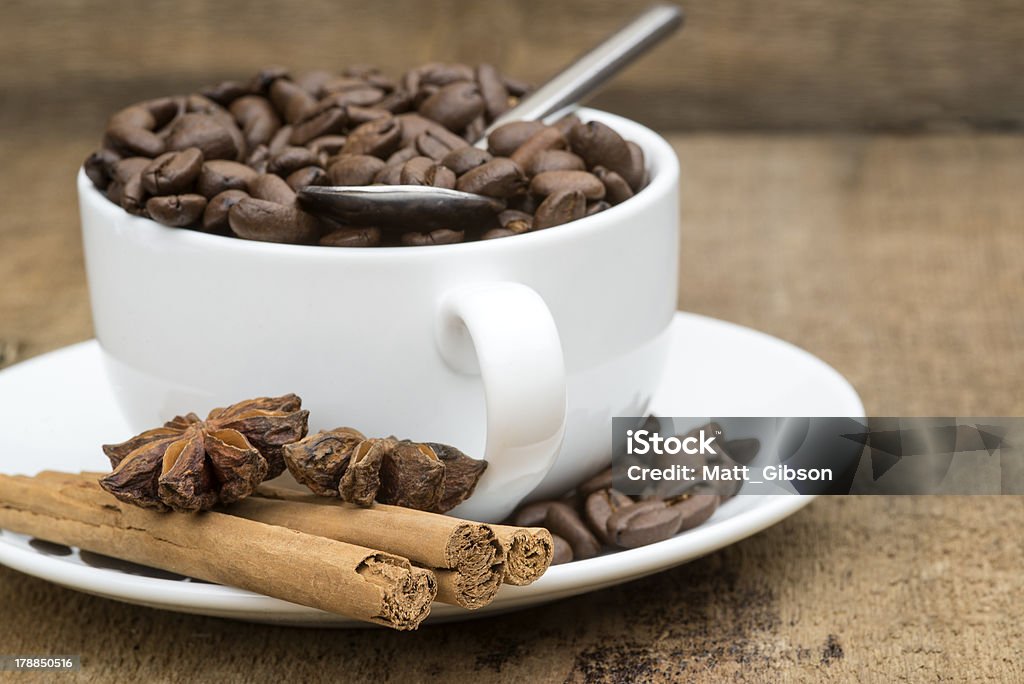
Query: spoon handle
pixel 588 72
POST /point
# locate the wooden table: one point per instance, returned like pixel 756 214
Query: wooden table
pixel 898 260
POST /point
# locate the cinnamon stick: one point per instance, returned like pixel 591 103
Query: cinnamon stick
pixel 467 558
pixel 338 577
pixel 528 552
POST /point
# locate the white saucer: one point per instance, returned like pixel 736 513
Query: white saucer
pixel 58 408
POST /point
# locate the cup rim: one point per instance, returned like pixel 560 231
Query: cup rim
pixel 662 164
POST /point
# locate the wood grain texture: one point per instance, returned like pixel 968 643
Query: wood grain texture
pixel 898 260
pixel 818 64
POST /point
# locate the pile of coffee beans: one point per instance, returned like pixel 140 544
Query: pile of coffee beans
pixel 595 516
pixel 229 159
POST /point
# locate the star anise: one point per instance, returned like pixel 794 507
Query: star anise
pixel 191 464
pixel 344 463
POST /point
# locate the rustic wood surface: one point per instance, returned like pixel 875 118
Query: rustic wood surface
pixel 899 260
pixel 847 64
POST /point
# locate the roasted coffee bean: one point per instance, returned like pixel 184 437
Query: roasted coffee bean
pixel 425 171
pixel 215 216
pixel 600 506
pixel 599 145
pixel 352 237
pixel 516 87
pixel 259 158
pixel 324 122
pixel 562 519
pixel 475 129
pixel 396 102
pixel 493 90
pixel 313 81
pixel 378 138
pixel 134 140
pixel 616 188
pixel 291 158
pixel 127 184
pixel 326 146
pixel 642 523
pixel 266 76
pixel 99 166
pixel 505 140
pixel 362 71
pixel 441 236
pixel 225 92
pixel 219 175
pixel 555 160
pixel 561 552
pixel 360 115
pixel 176 210
pixel 602 480
pixel 442 74
pixel 548 138
pixel 152 114
pixel 695 508
pixel 497 178
pixel 339 84
pixel 280 139
pixel 532 514
pixel 636 175
pixel 465 158
pixel 560 207
pixel 271 188
pixel 256 219
pixel 549 182
pixel 172 173
pixel 308 175
pixel 742 451
pixel 403 155
pixel 209 133
pixel 429 145
pixel 291 100
pixel 515 220
pixel 257 118
pixel 382 81
pixel 566 123
pixel 366 96
pixel 391 174
pixel 413 126
pixel 495 233
pixel 597 207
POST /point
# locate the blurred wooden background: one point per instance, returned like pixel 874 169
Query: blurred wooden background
pixel 908 65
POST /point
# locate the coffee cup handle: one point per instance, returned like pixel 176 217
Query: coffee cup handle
pixel 505 333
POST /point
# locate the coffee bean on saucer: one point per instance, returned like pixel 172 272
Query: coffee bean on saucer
pixel 642 523
pixel 218 175
pixel 602 480
pixel 355 169
pixel 563 520
pixel 561 552
pixel 549 182
pixel 352 237
pixel 696 507
pixel 532 514
pixel 176 210
pixel 599 507
pixel 560 207
pixel 215 216
pixel 173 172
pixel 742 451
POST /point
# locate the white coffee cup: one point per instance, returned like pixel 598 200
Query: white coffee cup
pixel 518 350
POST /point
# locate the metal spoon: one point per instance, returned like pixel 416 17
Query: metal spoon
pixel 390 206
